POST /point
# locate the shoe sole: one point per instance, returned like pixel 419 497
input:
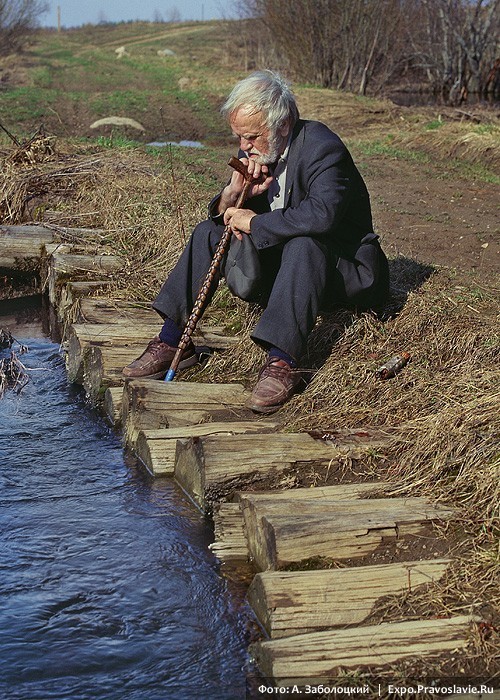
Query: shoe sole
pixel 264 409
pixel 183 364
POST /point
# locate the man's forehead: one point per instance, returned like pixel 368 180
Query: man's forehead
pixel 247 119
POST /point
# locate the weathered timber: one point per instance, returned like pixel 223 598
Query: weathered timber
pixel 230 543
pixel 149 404
pixel 71 296
pixel 156 448
pixel 227 549
pixel 113 399
pixel 64 266
pixel 21 246
pixel 298 602
pixel 80 335
pixel 120 342
pixel 110 311
pixel 118 312
pixel 320 657
pixel 209 468
pixel 102 367
pixel 281 533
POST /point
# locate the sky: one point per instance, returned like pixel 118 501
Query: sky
pixel 77 12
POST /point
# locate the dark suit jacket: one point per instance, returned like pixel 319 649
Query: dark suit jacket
pixel 325 195
pixel 326 198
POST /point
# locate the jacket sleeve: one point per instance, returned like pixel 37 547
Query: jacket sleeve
pixel 323 182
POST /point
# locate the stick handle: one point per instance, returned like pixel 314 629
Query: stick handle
pixel 200 303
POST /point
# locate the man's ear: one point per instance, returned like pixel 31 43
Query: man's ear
pixel 284 130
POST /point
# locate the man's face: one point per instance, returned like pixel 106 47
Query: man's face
pixel 256 138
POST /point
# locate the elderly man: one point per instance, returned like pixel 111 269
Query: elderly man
pixel 308 217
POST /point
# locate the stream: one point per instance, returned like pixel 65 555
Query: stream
pixel 108 589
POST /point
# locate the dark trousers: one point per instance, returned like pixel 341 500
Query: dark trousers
pixel 299 278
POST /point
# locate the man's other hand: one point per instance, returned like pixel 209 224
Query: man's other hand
pixel 239 220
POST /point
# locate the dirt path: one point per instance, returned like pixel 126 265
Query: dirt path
pixel 438 220
pixel 140 39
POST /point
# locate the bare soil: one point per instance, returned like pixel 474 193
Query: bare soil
pixel 441 221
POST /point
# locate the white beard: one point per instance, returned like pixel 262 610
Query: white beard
pixel 276 148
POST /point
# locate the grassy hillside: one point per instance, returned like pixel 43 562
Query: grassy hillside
pixel 433 175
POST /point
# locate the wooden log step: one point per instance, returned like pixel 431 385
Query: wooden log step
pixel 281 533
pixel 123 313
pixel 118 343
pixel 112 407
pixel 71 297
pixel 21 246
pixel 62 266
pixel 210 468
pixel 321 657
pixel 224 547
pixel 287 603
pixel 115 311
pixel 230 543
pixel 150 404
pixel 156 449
pixel 80 336
pixel 102 367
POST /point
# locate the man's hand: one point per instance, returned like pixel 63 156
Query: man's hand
pixel 238 220
pixel 261 181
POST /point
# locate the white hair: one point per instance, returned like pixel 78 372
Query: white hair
pixel 267 92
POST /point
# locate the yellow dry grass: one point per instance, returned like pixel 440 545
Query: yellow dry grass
pixel 440 413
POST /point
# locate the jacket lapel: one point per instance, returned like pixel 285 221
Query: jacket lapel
pixel 293 156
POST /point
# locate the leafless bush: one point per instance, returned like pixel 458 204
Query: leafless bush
pixel 448 46
pixel 17 19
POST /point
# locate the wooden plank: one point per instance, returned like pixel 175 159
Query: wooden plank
pixel 151 404
pixel 230 543
pixel 320 657
pixel 279 536
pixel 122 313
pixel 298 602
pixel 113 311
pixel 62 266
pixel 35 231
pixel 71 296
pixel 224 548
pixel 209 468
pixel 79 337
pixel 156 448
pixel 113 399
pixel 102 367
pixel 21 246
pixel 336 492
pixel 128 336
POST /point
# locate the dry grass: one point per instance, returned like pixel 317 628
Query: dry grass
pixel 440 413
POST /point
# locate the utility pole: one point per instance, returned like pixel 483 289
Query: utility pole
pixel 58 18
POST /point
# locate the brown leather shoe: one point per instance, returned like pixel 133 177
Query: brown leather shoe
pixel 276 384
pixel 156 360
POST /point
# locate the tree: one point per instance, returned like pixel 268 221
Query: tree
pixel 18 18
pixel 334 43
pixel 449 47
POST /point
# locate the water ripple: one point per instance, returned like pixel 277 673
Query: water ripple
pixel 107 585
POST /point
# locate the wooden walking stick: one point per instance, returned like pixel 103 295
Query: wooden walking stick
pixel 200 303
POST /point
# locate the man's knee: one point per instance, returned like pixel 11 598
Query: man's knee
pixel 206 232
pixel 305 252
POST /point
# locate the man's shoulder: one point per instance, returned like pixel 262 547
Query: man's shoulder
pixel 317 140
pixel 315 129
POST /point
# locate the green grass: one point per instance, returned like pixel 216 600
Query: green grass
pixel 386 149
pixel 117 141
pixel 25 104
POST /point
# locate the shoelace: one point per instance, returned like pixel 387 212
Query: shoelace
pixel 273 370
pixel 154 347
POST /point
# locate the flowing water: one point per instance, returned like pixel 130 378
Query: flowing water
pixel 107 587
